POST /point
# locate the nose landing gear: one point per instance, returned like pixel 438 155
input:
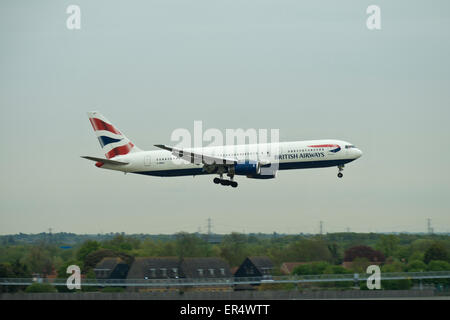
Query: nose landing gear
pixel 340 174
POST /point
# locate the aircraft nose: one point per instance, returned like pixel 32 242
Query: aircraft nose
pixel 358 153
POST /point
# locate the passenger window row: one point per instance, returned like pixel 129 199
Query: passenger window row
pixel 306 150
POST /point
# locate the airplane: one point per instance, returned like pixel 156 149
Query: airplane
pixel 255 161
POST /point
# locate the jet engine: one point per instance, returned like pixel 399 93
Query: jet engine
pixel 247 168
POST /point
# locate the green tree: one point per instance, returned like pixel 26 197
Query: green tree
pixel 190 245
pixel 40 260
pixel 437 265
pixel 416 256
pixel 404 284
pixel 167 249
pixel 416 266
pixel 306 250
pixel 61 272
pixel 90 275
pixel 334 251
pixel 387 244
pixel 420 245
pixel 332 269
pixel 393 267
pixel 317 268
pixel 304 269
pixel 122 243
pixel 86 248
pixel 437 251
pixel 14 270
pixel 403 252
pixel 313 268
pixel 148 248
pixel 234 248
pixel 6 270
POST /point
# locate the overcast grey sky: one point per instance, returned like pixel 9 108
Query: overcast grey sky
pixel 309 68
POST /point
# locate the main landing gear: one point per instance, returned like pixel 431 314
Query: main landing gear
pixel 225 182
pixel 340 174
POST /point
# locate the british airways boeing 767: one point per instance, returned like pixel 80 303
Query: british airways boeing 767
pixel 256 161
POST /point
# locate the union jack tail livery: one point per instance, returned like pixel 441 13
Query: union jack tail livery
pixel 112 141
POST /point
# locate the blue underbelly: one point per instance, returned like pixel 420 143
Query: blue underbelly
pixel 282 166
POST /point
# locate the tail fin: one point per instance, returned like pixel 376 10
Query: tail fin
pixel 113 142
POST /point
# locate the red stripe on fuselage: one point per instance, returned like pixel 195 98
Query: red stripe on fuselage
pixel 324 146
pixel 118 151
pixel 98 124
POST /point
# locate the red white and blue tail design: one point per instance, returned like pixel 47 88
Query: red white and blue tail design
pixel 113 142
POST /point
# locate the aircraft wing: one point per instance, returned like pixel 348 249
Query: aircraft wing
pixel 195 157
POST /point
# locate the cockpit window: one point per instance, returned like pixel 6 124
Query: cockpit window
pixel 349 146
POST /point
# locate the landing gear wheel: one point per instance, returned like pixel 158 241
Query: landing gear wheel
pixel 225 182
pixel 234 184
pixel 216 180
pixel 341 168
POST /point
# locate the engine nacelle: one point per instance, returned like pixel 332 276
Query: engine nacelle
pixel 247 168
pixel 260 176
pixel 265 173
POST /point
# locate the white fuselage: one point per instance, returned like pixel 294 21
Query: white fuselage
pixel 285 155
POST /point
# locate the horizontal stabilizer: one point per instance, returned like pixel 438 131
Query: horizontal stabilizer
pixel 107 161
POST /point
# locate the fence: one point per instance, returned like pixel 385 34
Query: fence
pixel 227 281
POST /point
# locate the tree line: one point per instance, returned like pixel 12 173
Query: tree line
pixel 402 252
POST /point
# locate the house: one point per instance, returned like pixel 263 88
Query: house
pixel 210 269
pixel 155 268
pixel 152 268
pixel 201 268
pixel 111 268
pixel 233 270
pixel 255 267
